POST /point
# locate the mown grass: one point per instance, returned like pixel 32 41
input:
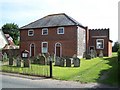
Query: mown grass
pixel 88 71
pixel 91 71
pixel 37 70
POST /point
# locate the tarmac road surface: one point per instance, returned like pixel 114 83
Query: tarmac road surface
pixel 21 81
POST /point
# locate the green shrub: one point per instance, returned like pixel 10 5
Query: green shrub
pixel 36 60
pixel 119 54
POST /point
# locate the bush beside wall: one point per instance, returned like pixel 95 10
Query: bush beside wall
pixel 119 54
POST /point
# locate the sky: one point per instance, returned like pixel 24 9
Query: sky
pixel 92 13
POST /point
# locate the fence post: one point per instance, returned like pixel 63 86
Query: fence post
pixel 50 67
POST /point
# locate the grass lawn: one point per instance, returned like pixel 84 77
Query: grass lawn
pixel 91 71
pixel 36 70
pixel 104 70
pixel 88 71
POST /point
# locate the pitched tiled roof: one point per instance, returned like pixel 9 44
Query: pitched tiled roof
pixel 10 39
pixel 51 21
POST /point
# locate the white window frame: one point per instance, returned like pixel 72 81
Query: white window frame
pixel 42 47
pixel 97 42
pixel 30 31
pixel 59 29
pixel 44 30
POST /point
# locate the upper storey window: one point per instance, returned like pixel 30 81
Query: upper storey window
pixel 44 31
pixel 31 32
pixel 60 30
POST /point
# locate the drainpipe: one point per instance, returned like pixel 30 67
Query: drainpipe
pixel 87 40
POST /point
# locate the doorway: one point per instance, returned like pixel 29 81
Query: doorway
pixel 32 50
pixel 58 49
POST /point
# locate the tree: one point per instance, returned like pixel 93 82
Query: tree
pixel 119 53
pixel 115 47
pixel 13 30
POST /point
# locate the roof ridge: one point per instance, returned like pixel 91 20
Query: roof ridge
pixel 43 17
pixel 44 21
pixel 55 14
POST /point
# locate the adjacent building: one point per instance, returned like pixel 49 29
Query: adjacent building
pixel 3 40
pixel 99 41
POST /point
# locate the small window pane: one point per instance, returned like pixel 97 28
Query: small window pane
pixel 58 45
pixel 44 44
pixel 30 33
pixel 60 30
pixel 44 47
pixel 100 43
pixel 44 31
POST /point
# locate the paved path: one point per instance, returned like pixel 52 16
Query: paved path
pixel 22 81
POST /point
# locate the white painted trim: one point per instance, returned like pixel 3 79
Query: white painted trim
pixel 97 41
pixel 42 46
pixel 31 34
pixel 60 49
pixel 60 28
pixel 43 30
pixel 99 36
pixel 30 49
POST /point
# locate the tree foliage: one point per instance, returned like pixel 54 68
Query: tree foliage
pixel 13 30
pixel 115 47
pixel 119 53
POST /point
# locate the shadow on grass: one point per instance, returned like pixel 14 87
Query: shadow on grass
pixel 110 76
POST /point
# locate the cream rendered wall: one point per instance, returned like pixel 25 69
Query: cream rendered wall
pixel 3 40
pixel 80 42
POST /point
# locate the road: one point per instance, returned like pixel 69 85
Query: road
pixel 17 82
pixel 20 82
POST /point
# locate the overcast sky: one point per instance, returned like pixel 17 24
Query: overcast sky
pixel 91 13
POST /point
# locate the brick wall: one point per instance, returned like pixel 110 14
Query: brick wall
pixel 100 34
pixel 68 40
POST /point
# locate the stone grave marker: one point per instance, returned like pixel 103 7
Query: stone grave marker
pixel 101 54
pixel 68 62
pixel 76 62
pixel 92 53
pixel 1 55
pixel 18 62
pixel 42 60
pixel 57 61
pixel 62 62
